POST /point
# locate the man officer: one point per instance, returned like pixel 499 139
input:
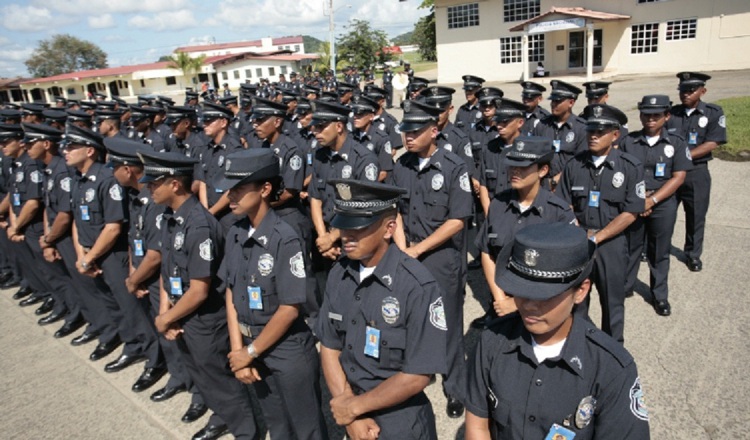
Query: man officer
pixel 468 113
pixel 531 95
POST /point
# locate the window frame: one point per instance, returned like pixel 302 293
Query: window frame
pixel 463 15
pixel 686 29
pixel 520 10
pixel 646 42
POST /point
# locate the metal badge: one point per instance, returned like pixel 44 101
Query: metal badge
pixel 530 257
pixel 407 106
pixel 478 115
pixel 703 121
pixel 381 126
pixel 263 240
pixel 519 146
pixel 65 184
pixel 179 240
pixel 90 195
pixel 370 146
pixel 371 172
pixel 570 137
pixel 265 264
pixel 390 309
pixel 448 147
pixel 221 160
pixel 19 177
pixel 295 162
pixel 437 181
pixel 597 111
pixel 229 163
pixel 585 412
pixel 345 192
pixel 652 101
pixel 618 179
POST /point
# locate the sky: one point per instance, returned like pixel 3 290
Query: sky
pixel 140 31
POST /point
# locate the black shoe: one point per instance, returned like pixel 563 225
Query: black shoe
pixel 695 265
pixel 663 308
pixel 194 412
pixel 454 408
pixel 211 432
pixel 70 327
pixel 23 292
pixel 85 338
pixel 13 282
pixel 53 317
pixel 103 350
pixel 481 322
pixel 5 276
pixel 123 362
pixel 46 307
pixel 30 301
pixel 148 378
pixel 167 393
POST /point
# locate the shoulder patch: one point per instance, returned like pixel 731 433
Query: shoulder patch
pixel 65 184
pixel 206 251
pixel 36 176
pixel 637 401
pixel 115 192
pixel 295 162
pixel 464 182
pixel 437 315
pixel 371 172
pixel 297 265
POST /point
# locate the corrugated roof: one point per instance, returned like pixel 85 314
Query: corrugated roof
pixel 573 12
pixel 254 43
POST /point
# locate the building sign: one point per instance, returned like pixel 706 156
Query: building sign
pixel 557 25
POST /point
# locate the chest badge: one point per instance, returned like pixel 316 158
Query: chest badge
pixel 702 122
pixel 179 240
pixel 448 147
pixel 437 182
pixel 585 412
pixel 669 151
pixel 221 160
pixel 90 195
pixel 570 137
pixel 346 172
pixel 265 264
pixel 391 310
pixel 618 179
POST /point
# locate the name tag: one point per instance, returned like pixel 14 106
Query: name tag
pixel 594 199
pixel 556 143
pixel 372 343
pixel 175 286
pixel 218 190
pixel 138 248
pixel 255 298
pixel 335 316
pixel 16 199
pixel 309 158
pixel 557 432
pixel 693 138
pixel 577 188
pixel 85 213
pixel 660 167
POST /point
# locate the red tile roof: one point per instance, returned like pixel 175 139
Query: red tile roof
pixel 207 47
pixel 110 71
pixel 573 12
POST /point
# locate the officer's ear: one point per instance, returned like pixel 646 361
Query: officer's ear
pixel 389 222
pixel 580 293
pixel 277 122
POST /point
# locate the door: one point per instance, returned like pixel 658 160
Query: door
pixel 577 49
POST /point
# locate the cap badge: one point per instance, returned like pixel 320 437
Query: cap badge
pixel 519 146
pixel 597 111
pixel 530 257
pixel 229 162
pixel 407 106
pixel 391 309
pixel 686 75
pixel 652 101
pixel 585 412
pixel 345 192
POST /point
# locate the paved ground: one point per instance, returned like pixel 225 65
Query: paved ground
pixel 693 364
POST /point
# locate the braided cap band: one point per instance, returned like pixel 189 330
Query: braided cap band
pixel 377 205
pixel 548 276
pixel 156 171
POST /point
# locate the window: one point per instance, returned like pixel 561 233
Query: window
pixel 463 16
pixel 644 38
pixel 681 29
pixel 248 73
pixel 520 10
pixel 259 72
pixel 511 47
pixel 296 47
pixel 171 80
pixel 283 70
pixel 236 74
pixel 271 71
pixel 143 83
pixel 224 76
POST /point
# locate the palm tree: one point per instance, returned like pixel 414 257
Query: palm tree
pixel 187 64
pixel 323 63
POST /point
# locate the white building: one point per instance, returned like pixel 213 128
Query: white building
pixel 293 44
pixel 487 37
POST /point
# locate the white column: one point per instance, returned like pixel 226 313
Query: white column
pixel 64 92
pixel 589 51
pixel 46 94
pixel 130 87
pixel 525 54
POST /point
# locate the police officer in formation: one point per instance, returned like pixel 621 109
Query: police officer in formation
pixel 468 113
pixel 531 95
pixel 388 86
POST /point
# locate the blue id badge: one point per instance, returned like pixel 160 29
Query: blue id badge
pixel 309 158
pixel 218 190
pixel 594 199
pixel 372 343
pixel 557 432
pixel 16 199
pixel 556 143
pixel 660 167
pixel 175 286
pixel 693 138
pixel 85 213
pixel 138 251
pixel 255 298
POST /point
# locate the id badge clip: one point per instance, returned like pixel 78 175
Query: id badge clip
pixel 175 286
pixel 85 213
pixel 660 169
pixel 255 298
pixel 594 197
pixel 138 248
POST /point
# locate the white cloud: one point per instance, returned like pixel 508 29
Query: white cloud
pixel 15 54
pixel 393 17
pixel 270 14
pixel 103 21
pixel 25 18
pixel 164 21
pixel 85 7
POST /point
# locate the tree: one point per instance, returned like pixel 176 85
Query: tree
pixel 362 45
pixel 323 63
pixel 187 64
pixel 65 53
pixel 424 33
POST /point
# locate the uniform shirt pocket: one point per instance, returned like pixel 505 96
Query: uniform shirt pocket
pixel 392 346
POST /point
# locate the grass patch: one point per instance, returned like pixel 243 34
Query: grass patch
pixel 737 111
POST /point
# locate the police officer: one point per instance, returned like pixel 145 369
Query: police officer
pixel 531 95
pixel 666 159
pixel 185 138
pixel 409 71
pixel 370 136
pixel 108 123
pixel 264 264
pixel 416 85
pixel 142 119
pixel 191 98
pixel 79 118
pixel 567 131
pixel 569 379
pixel 508 120
pixel 388 86
pixel 468 113
pixel 345 93
pixel 597 92
pixel 606 190
pixel 524 202
pixel 704 127
pixel 484 129
pixel 191 305
pixel 431 226
pixel 55 118
pixel 383 120
pixel 382 325
pixel 10 275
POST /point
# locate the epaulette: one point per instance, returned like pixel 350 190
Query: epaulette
pixel 714 107
pixel 417 270
pixel 609 345
pixel 630 158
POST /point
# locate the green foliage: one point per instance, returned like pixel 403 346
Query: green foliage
pixel 324 62
pixel 404 39
pixel 65 53
pixel 312 44
pixel 425 37
pixel 737 112
pixel 187 64
pixel 361 45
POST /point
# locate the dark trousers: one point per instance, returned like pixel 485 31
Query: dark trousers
pixel 695 195
pixel 289 393
pixel 413 419
pixel 134 327
pixel 654 232
pixel 56 278
pixel 30 266
pixel 610 264
pixel 204 348
pixel 449 269
pixel 388 97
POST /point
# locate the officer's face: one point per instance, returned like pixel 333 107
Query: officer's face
pixel 600 141
pixel 653 123
pixel 362 120
pixel 266 126
pixel 550 320
pixel 122 174
pixel 35 149
pixel 161 190
pixel 76 154
pixel 12 148
pixel 531 102
pixel 105 127
pixel 246 199
pixel 181 128
pixel 305 119
pixel 691 97
pixel 525 178
pixel 561 107
pixel 509 128
pixel 598 99
pixel 471 96
pixel 443 118
pixel 214 127
pixel 488 111
pixel 420 141
pixel 368 244
pixel 327 133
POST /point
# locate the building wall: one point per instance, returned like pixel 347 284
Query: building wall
pixel 265 46
pixel 265 67
pixel 721 34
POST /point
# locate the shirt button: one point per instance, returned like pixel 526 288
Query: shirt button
pixel 349 347
pixel 538 382
pixel 351 369
pixel 356 297
pixel 385 343
pixel 532 418
pixel 354 322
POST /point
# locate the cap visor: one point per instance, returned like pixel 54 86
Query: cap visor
pixel 653 110
pixel 406 127
pixel 148 179
pixel 344 221
pixel 508 162
pixel 226 184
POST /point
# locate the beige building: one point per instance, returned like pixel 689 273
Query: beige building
pixel 591 38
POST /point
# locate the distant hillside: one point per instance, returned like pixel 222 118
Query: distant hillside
pixel 312 44
pixel 404 39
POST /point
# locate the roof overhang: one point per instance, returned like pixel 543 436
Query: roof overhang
pixel 565 18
